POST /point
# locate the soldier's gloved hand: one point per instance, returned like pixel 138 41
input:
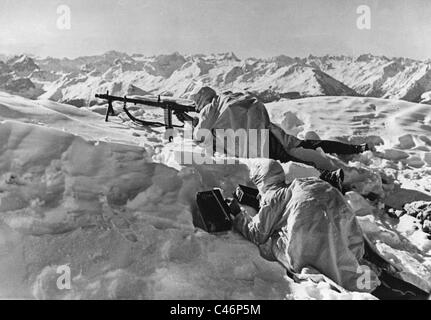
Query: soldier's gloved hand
pixel 195 121
pixel 234 206
pixel 180 117
pixel 183 117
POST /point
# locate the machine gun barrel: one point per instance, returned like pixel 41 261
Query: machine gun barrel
pixel 170 107
pixel 152 102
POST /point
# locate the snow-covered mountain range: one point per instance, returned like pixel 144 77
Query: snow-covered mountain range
pixel 75 81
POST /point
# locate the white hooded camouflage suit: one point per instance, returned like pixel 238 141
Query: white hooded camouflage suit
pixel 237 111
pixel 307 224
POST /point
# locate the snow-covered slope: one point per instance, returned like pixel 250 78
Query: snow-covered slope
pixel 107 200
pixel 426 97
pixel 400 130
pixel 77 192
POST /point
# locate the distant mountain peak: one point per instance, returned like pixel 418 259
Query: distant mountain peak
pixel 366 74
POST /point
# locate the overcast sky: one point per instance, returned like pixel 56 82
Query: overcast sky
pixel 259 28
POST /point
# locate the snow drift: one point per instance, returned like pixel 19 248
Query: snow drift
pixel 109 201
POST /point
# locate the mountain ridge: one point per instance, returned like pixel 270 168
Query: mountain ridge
pixel 76 80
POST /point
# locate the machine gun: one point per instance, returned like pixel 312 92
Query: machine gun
pixel 169 105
